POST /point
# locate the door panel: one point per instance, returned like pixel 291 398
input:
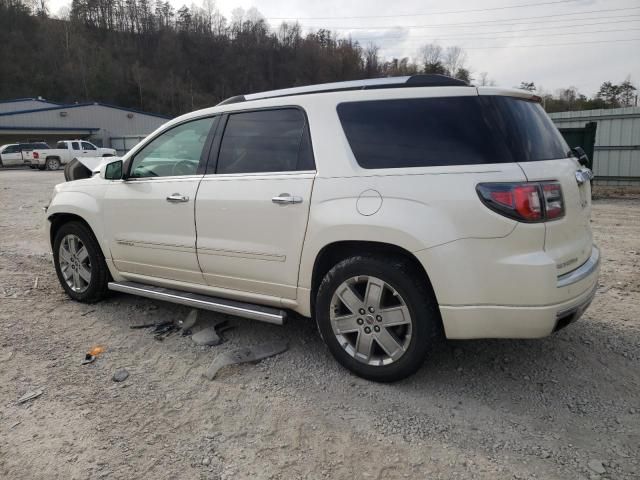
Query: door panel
pixel 246 241
pixel 11 156
pixel 149 235
pixel 150 216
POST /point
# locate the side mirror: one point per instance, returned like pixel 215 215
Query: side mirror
pixel 580 154
pixel 112 170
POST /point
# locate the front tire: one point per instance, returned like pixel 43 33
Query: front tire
pixel 80 265
pixel 378 318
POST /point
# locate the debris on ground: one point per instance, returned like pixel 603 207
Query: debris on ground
pixel 144 325
pixel 207 337
pixel 92 354
pixel 163 330
pixel 245 354
pixel 189 322
pixel 30 396
pixel 120 375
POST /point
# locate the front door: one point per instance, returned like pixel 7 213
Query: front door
pixel 251 214
pixel 11 155
pixel 149 216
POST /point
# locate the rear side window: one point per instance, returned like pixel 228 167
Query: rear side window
pixel 61 145
pixel 265 141
pixel 429 132
pixel 75 145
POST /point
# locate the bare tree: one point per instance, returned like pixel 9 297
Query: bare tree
pixel 371 60
pixel 455 59
pixel 431 57
pixel 485 81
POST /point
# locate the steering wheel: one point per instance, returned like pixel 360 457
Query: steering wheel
pixel 183 167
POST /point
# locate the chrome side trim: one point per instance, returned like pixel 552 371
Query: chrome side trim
pixel 582 272
pixel 194 300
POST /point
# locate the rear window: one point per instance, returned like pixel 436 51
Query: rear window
pixel 427 132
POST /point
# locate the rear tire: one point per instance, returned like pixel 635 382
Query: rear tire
pixel 382 336
pixel 80 265
pixel 52 164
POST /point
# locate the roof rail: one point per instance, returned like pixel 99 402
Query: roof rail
pixel 427 80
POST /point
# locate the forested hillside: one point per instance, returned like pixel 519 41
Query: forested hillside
pixel 149 56
pixel 153 58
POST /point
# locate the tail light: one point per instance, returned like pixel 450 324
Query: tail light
pixel 36 155
pixel 529 202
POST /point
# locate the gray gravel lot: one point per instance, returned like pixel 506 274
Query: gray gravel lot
pixel 564 407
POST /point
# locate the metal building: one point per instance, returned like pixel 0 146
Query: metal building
pixel 616 152
pixel 35 119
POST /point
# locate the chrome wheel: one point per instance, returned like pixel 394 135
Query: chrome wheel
pixel 75 263
pixel 370 320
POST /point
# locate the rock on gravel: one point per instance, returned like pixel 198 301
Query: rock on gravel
pixel 596 466
pixel 120 375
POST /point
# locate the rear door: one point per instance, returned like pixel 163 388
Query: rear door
pixel 251 214
pixel 544 155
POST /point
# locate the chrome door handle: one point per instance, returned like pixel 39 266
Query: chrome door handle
pixel 177 198
pixel 286 199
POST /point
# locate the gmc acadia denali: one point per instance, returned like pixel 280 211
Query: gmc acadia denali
pixel 393 211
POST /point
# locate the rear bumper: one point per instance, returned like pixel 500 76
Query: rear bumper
pixel 531 321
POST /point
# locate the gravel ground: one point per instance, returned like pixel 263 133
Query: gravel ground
pixel 564 407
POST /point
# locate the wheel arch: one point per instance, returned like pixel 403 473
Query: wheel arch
pixel 58 219
pixel 337 251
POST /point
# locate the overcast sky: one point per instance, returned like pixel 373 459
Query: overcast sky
pixel 504 42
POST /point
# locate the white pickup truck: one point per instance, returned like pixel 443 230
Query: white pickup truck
pixel 65 151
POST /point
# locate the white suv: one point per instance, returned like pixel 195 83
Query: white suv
pixel 391 210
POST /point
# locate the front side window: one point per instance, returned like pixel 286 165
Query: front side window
pixel 11 149
pixel 87 146
pixel 175 152
pixel 265 141
pixel 427 132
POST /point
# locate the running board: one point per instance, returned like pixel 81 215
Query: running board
pixel 205 302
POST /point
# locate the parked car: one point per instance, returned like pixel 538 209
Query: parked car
pixel 67 150
pixel 18 153
pixel 392 211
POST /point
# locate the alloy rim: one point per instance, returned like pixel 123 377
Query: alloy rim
pixel 371 320
pixel 75 263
